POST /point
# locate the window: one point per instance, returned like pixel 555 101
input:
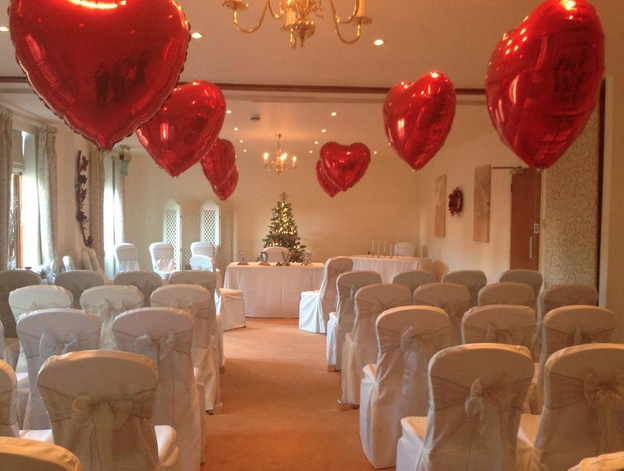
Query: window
pixel 113 209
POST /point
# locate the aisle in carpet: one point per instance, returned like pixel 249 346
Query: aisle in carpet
pixel 281 411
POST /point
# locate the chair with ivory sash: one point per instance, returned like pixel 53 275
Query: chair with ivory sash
pixel 164 335
pixel 608 462
pixel 474 280
pixel 207 249
pixel 90 261
pixel 146 281
pixel 583 409
pixel 101 405
pixel 507 292
pixel 341 322
pixel 498 323
pixel 163 259
pixel 77 282
pixel 396 386
pixel 50 332
pixel 276 253
pixel 127 258
pixel 107 302
pixel 9 426
pixel 315 306
pixel 477 393
pixel 360 346
pixel 452 297
pixel 32 455
pixel 532 278
pixel 413 279
pixel 404 249
pixel 199 303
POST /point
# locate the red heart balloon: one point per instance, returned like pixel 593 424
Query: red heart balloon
pixel 105 67
pixel 225 190
pixel 326 184
pixel 185 128
pixel 544 80
pixel 345 165
pixel 219 163
pixel 418 117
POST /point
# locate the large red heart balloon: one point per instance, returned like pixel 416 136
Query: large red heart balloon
pixel 544 80
pixel 225 190
pixel 418 117
pixel 219 163
pixel 185 128
pixel 105 67
pixel 327 185
pixel 345 165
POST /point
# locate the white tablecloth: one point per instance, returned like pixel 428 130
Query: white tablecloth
pixel 386 267
pixel 273 291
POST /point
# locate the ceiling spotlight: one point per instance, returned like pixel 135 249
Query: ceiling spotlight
pixel 379 42
pixel 196 35
pixel 334 114
pixel 235 129
pixel 375 153
pixel 241 141
pixel 310 151
pixel 316 142
pixel 244 150
pixel 228 112
pixel 323 131
pixel 4 29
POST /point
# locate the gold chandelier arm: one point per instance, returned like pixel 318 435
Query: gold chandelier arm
pixel 266 6
pixel 349 41
pixel 349 19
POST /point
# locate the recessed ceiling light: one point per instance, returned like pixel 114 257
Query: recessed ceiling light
pixel 228 112
pixel 244 150
pixel 310 151
pixel 196 35
pixel 323 131
pixel 316 142
pixel 379 42
pixel 334 114
pixel 375 153
pixel 241 141
pixel 235 129
pixel 4 29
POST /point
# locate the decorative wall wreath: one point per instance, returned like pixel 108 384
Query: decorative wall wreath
pixel 456 202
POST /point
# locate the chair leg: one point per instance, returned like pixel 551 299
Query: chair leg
pixel 331 368
pixel 216 410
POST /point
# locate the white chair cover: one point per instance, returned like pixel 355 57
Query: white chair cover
pixel 583 409
pixel 68 263
pixel 477 393
pixel 107 302
pixel 474 280
pixel 315 306
pixel 93 260
pixel 530 277
pixel 2 344
pixel 360 346
pixel 146 281
pixel 199 303
pixel 11 280
pixel 452 297
pixel 207 249
pixel 609 462
pixel 426 264
pixel 33 298
pixel 231 309
pixel 127 258
pixel 414 279
pixel 50 332
pixel 507 292
pixel 18 454
pixel 8 403
pixel 396 386
pixel 201 262
pixel 341 322
pixel 164 335
pixel 101 406
pixel 404 249
pixel 510 325
pixel 276 253
pixel 163 261
pixel 77 282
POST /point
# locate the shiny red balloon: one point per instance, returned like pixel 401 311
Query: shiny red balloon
pixel 225 190
pixel 185 128
pixel 105 67
pixel 544 80
pixel 345 165
pixel 327 185
pixel 219 163
pixel 418 117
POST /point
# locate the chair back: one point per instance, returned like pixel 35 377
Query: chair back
pixel 207 249
pixel 477 392
pixel 205 279
pixel 582 392
pixel 498 323
pixel 90 261
pixel 334 267
pixel 11 280
pixel 2 343
pixel 9 426
pixel 530 277
pixel 507 292
pixel 101 406
pixel 454 298
pixel 413 279
pixel 567 295
pixel 163 259
pixel 50 332
pixel 474 280
pixel 146 281
pixel 77 282
pixel 32 455
pixel 275 253
pixel 608 462
pixel 68 263
pixel 202 262
pixel 347 285
pixel 404 249
pixel 127 258
pixel 33 298
pixel 107 302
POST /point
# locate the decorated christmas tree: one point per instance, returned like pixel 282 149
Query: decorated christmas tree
pixel 283 230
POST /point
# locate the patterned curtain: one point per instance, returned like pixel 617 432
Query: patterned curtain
pixel 47 184
pixel 6 164
pixel 96 200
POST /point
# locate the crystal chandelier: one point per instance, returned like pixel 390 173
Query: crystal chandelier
pixel 296 12
pixel 281 159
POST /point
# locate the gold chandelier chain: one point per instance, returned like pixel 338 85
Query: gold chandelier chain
pixel 266 7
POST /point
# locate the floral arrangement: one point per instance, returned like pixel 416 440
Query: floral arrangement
pixel 82 165
pixel 456 202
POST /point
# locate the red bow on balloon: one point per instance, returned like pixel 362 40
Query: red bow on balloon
pixel 219 166
pixel 544 80
pixel 343 165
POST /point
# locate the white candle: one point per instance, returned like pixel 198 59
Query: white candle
pixel 362 9
pixel 373 247
pixel 378 248
pixel 385 252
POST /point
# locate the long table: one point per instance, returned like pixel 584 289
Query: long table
pixel 389 267
pixel 272 291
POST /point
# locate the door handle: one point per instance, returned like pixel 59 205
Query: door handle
pixel 531 249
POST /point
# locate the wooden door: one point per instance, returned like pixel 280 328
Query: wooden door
pixel 526 190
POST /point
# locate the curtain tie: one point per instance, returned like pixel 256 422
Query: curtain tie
pixel 49 345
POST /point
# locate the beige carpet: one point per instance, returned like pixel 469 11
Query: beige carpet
pixel 280 410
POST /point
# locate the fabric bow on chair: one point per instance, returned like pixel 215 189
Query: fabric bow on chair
pixel 191 308
pixel 156 349
pixel 49 345
pixel 582 338
pixel 512 336
pixel 608 400
pixel 107 311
